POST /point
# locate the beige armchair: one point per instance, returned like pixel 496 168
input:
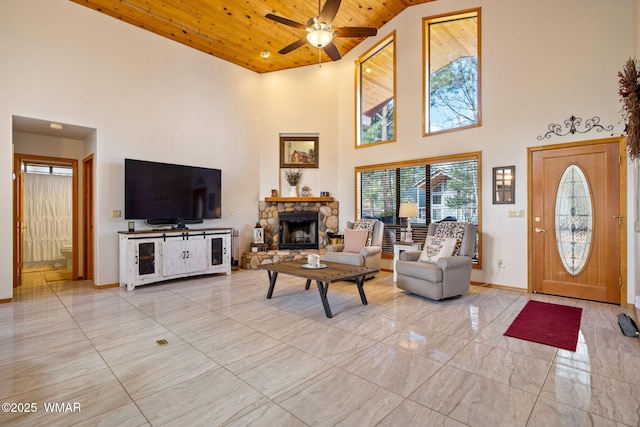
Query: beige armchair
pixel 449 276
pixel 367 256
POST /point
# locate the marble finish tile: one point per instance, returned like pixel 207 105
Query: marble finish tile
pixel 602 351
pixel 607 397
pixel 267 415
pixel 423 342
pixel 474 400
pixel 493 335
pixel 331 344
pixel 230 341
pixel 236 358
pixel 117 348
pixel 368 325
pixel 73 360
pixel 172 365
pixel 97 393
pixel 125 416
pixel 212 398
pixel 391 368
pixel 550 413
pixel 278 369
pixel 504 366
pixel 412 414
pixel 338 398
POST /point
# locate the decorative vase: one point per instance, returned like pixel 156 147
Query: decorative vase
pixel 293 191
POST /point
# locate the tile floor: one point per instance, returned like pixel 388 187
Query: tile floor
pixel 235 358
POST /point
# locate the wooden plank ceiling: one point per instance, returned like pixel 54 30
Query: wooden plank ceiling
pixel 237 31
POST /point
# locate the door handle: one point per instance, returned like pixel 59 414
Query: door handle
pixel 540 230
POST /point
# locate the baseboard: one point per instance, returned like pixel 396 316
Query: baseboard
pixel 504 288
pixel 6 300
pixel 108 285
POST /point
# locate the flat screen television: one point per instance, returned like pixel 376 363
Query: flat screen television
pixel 169 194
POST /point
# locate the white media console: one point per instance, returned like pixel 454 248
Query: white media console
pixel 153 256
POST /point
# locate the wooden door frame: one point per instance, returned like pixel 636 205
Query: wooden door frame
pixel 622 208
pixel 88 218
pixel 19 159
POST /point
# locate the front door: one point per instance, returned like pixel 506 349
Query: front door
pixel 577 223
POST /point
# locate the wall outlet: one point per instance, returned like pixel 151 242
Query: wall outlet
pixel 116 213
pixel 500 263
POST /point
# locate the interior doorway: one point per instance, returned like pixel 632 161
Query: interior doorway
pixel 40 201
pixel 577 227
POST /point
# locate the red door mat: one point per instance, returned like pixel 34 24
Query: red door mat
pixel 547 323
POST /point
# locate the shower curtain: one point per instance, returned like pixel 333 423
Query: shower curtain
pixel 47 216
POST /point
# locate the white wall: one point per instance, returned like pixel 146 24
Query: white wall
pixel 541 63
pixel 151 98
pixel 148 97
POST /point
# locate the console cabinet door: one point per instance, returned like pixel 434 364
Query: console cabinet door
pixel 194 260
pixel 183 256
pixel 218 253
pixel 143 259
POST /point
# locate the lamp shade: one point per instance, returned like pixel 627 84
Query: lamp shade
pixel 408 210
pixel 319 38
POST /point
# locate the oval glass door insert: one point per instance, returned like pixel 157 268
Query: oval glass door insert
pixel 574 220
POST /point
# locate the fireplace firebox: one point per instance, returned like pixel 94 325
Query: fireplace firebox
pixel 299 230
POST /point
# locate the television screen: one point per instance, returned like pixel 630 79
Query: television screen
pixel 168 193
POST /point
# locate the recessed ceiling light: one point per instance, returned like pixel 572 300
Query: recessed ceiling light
pixel 56 126
pixel 265 54
pixel 367 70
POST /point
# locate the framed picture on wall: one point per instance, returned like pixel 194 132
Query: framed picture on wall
pixel 298 151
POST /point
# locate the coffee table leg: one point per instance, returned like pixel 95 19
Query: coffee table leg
pixel 360 284
pixel 323 288
pixel 272 282
pixel 306 287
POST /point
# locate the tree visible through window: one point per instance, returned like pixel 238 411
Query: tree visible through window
pixel 452 83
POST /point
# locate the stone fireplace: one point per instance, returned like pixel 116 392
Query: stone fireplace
pixel 324 209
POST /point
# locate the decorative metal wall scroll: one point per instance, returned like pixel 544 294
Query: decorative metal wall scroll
pixel 572 123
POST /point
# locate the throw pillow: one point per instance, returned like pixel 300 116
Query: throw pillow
pixel 366 224
pixel 354 240
pixel 436 248
pixel 451 229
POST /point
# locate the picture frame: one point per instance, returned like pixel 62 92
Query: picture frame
pixel 504 185
pixel 299 151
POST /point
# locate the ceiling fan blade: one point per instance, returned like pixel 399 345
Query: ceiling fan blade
pixel 285 21
pixel 332 51
pixel 292 46
pixel 329 11
pixel 355 32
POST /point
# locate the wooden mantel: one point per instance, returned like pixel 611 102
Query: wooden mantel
pixel 298 199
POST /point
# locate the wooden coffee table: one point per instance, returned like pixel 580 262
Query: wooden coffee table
pixel 334 272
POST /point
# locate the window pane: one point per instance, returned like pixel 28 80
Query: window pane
pixel 376 91
pixel 452 58
pixel 442 190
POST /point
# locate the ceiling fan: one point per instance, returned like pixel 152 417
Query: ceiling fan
pixel 320 30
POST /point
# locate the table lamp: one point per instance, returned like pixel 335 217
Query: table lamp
pixel 408 210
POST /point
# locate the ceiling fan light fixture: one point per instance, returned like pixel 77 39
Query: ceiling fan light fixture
pixel 319 38
pixel 265 54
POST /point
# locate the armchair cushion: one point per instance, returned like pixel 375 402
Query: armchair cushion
pixel 354 240
pixel 366 224
pixel 437 247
